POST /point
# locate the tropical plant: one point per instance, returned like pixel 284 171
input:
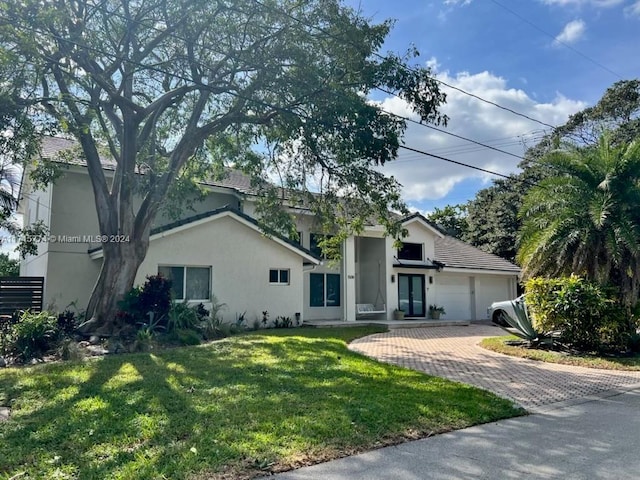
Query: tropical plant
pixel 182 316
pixel 33 335
pixel 520 323
pixel 437 308
pixel 585 219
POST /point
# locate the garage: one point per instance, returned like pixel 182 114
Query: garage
pixel 454 294
pixel 491 289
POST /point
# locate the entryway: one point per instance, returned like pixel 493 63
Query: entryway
pixel 411 294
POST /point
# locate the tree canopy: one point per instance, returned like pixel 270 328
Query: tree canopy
pixel 167 89
pixel 585 219
pixel 492 216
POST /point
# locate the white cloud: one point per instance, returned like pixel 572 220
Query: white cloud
pixel 424 178
pixel 571 33
pixel 633 9
pixel 433 64
pixel 457 2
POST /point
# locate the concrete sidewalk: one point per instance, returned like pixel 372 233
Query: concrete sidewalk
pixel 597 439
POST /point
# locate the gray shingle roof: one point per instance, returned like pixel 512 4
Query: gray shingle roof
pixel 457 254
pixel 53 146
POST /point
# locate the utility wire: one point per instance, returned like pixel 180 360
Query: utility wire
pixel 410 69
pixel 491 172
pixel 564 44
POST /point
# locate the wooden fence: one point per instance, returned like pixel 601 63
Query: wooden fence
pixel 21 293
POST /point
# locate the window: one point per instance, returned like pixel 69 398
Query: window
pixel 410 251
pixel 279 276
pixel 324 290
pixel 188 283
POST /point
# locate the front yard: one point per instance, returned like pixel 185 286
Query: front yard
pixel 264 401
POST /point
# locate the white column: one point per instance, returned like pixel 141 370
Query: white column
pixel 391 287
pixel 349 280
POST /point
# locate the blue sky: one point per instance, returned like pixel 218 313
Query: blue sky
pixel 544 58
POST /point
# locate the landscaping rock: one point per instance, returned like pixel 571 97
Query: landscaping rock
pixel 4 414
pixel 96 350
pixel 3 362
pixel 94 340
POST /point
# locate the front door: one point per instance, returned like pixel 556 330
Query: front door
pixel 411 294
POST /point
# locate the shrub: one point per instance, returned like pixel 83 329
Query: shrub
pixel 201 311
pixel 213 328
pixel 187 336
pixel 282 322
pixel 181 316
pixel 153 297
pixel 33 335
pixel 67 322
pixel 129 307
pixel 585 315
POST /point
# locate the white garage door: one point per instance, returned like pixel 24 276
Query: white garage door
pixel 454 294
pixel 491 289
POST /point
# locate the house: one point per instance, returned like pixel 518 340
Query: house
pixel 218 249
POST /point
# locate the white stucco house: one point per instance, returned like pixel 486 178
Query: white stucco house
pixel 219 249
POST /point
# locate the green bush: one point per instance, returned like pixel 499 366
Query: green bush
pixel 585 315
pixel 181 316
pixel 187 336
pixel 154 297
pixel 33 335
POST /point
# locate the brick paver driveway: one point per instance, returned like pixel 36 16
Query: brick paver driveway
pixel 453 353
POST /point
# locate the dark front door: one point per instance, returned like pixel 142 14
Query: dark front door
pixel 411 294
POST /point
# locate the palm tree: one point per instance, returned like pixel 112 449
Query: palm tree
pixel 586 219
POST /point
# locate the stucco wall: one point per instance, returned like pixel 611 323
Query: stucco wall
pixel 418 233
pixel 71 277
pixel 240 259
pixel 75 211
pixel 37 207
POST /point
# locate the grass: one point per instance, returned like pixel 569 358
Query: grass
pixel 265 401
pixel 498 344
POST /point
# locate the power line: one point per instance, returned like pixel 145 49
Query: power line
pixel 564 44
pixel 413 70
pixel 445 159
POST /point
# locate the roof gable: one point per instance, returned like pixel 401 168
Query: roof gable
pixel 421 220
pixel 195 220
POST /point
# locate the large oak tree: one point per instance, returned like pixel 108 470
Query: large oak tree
pixel 165 87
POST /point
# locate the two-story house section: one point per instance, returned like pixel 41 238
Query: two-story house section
pixel 218 249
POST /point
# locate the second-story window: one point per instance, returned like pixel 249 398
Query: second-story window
pixel 411 251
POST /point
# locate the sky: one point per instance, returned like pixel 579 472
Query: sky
pixel 546 59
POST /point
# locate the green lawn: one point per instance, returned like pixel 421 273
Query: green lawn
pixel 269 400
pixel 497 344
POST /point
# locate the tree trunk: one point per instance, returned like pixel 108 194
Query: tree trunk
pixel 119 267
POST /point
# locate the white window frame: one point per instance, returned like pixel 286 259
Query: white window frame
pixel 280 270
pixel 184 281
